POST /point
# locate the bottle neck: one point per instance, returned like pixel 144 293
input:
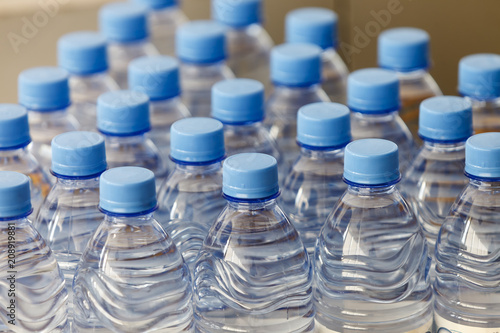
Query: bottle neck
pixel 209 67
pixel 371 191
pixel 198 169
pixel 481 104
pixel 444 147
pixel 243 128
pixel 125 140
pixel 16 220
pixel 78 182
pixel 48 114
pixel 376 116
pixel 291 90
pixel 485 184
pixel 13 153
pixel 129 219
pixel 411 75
pixel 323 155
pixel 252 205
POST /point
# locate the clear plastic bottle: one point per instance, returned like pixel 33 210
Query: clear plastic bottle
pixel 164 18
pixel 318 26
pixel 83 54
pixel 466 287
pixel 407 52
pixel 249 44
pixel 125 27
pixel 479 81
pixel 239 105
pixel 131 278
pixel 191 198
pixel 201 48
pixel 296 76
pixel 371 259
pixel 123 120
pixel 158 77
pixel 70 215
pixel 373 97
pixel 15 154
pixel 44 91
pixel 253 273
pixel 32 291
pixel 314 184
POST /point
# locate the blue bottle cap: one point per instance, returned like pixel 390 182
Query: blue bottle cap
pixel 123 22
pixel 312 25
pixel 479 76
pixel 123 113
pixel 197 140
pixel 127 190
pixel 15 196
pixel 44 89
pixel 237 13
pixel 373 90
pixel 14 128
pixel 82 53
pixel 297 65
pixel 78 154
pixel 201 42
pixel 238 101
pixel 157 4
pixel 157 77
pixel 250 176
pixel 404 49
pixel 445 118
pixel 324 125
pixel 371 162
pixel 482 155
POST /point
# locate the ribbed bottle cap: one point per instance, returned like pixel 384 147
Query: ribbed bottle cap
pixel 404 49
pixel 123 22
pixel 78 154
pixel 371 162
pixel 445 118
pixel 482 155
pixel 238 101
pixel 15 197
pixel 373 90
pixel 14 128
pixel 157 4
pixel 197 140
pixel 157 77
pixel 312 25
pixel 296 64
pixel 237 13
pixel 124 112
pixel 250 176
pixel 324 125
pixel 479 76
pixel 127 190
pixel 201 42
pixel 82 53
pixel 44 89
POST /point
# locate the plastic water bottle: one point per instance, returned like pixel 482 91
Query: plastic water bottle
pixel 253 273
pixel 32 292
pixel 70 215
pixel 158 77
pixel 249 44
pixel 44 91
pixel 314 184
pixel 201 48
pixel 239 105
pixel 318 26
pixel 479 81
pixel 191 198
pixel 436 177
pixel 407 52
pixel 123 120
pixel 296 76
pixel 83 54
pixel 15 154
pixel 468 246
pixel 164 18
pixel 131 278
pixel 373 97
pixel 371 259
pixel 125 27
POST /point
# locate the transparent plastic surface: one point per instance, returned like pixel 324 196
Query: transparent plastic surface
pixel 132 279
pixel 485 115
pixel 40 298
pixel 253 274
pixel 250 138
pixel 371 266
pixel 162 26
pixel 311 189
pixel 334 76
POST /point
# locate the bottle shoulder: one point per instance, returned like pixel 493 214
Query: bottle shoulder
pixel 291 99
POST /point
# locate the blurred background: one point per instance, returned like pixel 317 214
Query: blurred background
pixel 29 30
